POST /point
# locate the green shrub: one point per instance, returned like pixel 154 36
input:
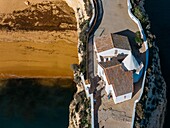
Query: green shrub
pixel 138 39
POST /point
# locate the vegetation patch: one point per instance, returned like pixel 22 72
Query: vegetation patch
pixel 138 39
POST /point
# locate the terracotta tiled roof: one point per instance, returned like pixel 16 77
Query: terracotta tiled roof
pixel 109 41
pixel 104 43
pixel 121 80
pixel 120 41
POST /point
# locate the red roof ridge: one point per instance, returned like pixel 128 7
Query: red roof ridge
pixel 114 66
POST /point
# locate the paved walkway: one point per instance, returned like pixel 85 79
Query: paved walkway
pixel 90 48
pixel 115 20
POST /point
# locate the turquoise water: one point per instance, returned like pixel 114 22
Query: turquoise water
pixel 28 104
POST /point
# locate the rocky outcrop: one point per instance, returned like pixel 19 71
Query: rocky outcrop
pixel 79 110
pixel 41 16
pixel 151 108
pixel 80 7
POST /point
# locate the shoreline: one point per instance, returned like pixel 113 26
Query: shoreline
pixel 143 36
pixel 79 112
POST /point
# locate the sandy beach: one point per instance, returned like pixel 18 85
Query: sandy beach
pixel 37 54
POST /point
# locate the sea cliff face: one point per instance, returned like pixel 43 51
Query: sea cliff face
pixel 79 110
pixel 150 110
pixel 79 116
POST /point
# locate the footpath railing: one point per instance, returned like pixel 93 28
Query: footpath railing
pixel 86 88
pixel 143 36
pixel 91 95
pixel 93 13
pixel 92 110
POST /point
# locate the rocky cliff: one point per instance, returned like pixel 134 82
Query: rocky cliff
pixel 40 16
pixel 80 110
pixel 80 116
pixel 150 110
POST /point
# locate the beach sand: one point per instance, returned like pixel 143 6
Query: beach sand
pixel 30 59
pixel 36 54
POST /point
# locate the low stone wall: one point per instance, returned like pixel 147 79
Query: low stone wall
pixel 93 13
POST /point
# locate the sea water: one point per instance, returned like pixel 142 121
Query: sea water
pixel 159 15
pixel 26 103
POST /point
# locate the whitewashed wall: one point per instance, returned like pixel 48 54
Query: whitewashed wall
pixel 88 95
pixel 111 52
pixel 98 58
pixel 121 98
pixel 108 88
pixel 100 71
pixel 113 95
pixel 117 99
pixel 95 49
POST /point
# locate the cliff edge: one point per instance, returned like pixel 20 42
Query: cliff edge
pixel 80 113
pixel 150 110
